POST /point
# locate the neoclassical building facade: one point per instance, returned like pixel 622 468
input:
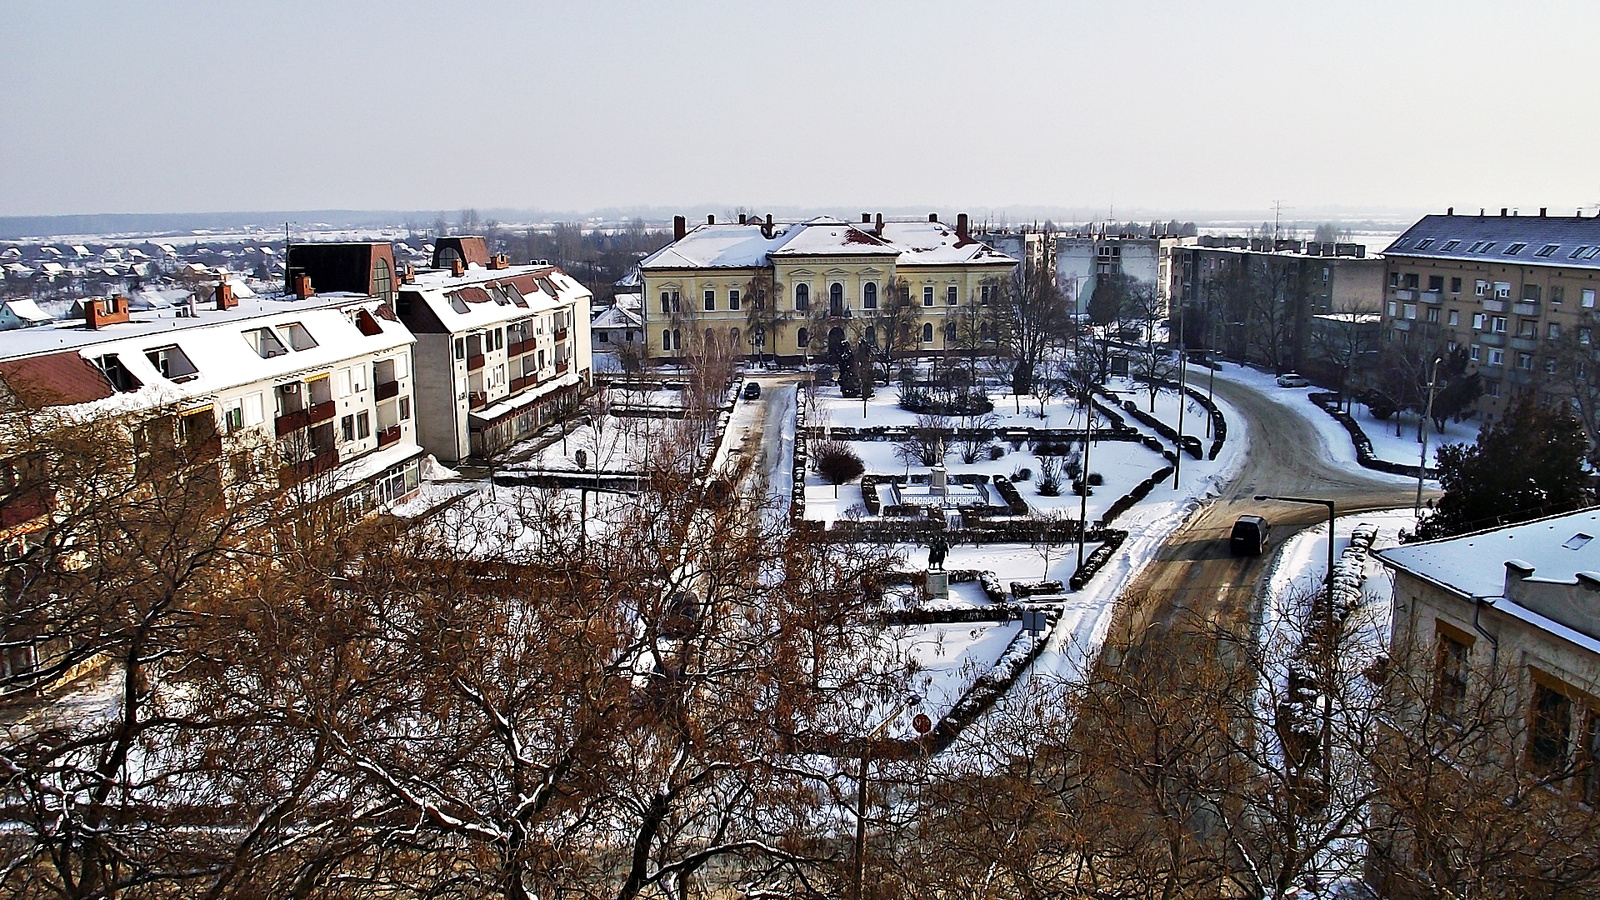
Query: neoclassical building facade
pixel 793 290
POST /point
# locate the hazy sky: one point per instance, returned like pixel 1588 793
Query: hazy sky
pixel 216 106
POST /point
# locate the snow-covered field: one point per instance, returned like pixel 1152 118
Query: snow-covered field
pixel 1404 447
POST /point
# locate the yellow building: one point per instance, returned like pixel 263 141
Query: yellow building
pixel 801 289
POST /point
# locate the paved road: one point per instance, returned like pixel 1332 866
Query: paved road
pixel 1194 584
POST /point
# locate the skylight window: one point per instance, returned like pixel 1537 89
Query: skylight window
pixel 1450 245
pixel 1478 245
pixel 1592 252
pixel 1548 250
pixel 1578 252
pixel 264 342
pixel 172 363
pixel 1512 250
pixel 1577 541
pixel 299 337
pixel 1487 246
pixel 116 373
pixel 1424 244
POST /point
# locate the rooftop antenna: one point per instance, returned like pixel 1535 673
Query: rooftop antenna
pixel 1277 212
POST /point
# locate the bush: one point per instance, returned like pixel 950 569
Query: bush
pixel 836 462
pixel 1021 473
pixel 1096 479
pixel 1050 476
pixel 996 452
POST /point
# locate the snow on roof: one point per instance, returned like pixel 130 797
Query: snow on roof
pixel 25 309
pixel 158 298
pixel 1568 241
pixel 1474 565
pixel 634 301
pixel 616 317
pixel 747 246
pixel 482 297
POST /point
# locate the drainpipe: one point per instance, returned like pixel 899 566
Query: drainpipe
pixel 1494 642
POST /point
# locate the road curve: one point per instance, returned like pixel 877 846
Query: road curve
pixel 1194 585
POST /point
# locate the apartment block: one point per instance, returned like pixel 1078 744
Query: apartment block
pixel 1517 291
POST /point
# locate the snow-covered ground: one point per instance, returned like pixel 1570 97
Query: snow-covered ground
pixel 1404 447
pixel 944 659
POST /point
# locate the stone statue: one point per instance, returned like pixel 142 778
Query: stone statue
pixel 936 553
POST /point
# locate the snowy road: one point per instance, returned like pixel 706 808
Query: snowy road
pixel 1194 584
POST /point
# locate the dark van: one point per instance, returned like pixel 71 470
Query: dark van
pixel 1250 535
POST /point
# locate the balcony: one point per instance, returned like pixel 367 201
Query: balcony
pixel 517 348
pixel 388 436
pixel 289 423
pixel 518 384
pixel 316 465
pixel 1432 297
pixel 1528 344
pixel 1492 340
pixel 475 362
pixel 477 400
pixel 1405 294
pixel 1402 325
pixel 561 334
pixel 321 412
pixel 24 507
pixel 562 367
pixel 387 389
pixel 1494 305
pixel 1526 307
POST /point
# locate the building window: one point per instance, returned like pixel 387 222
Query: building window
pixel 711 301
pixel 950 295
pixel 677 340
pixel 1394 309
pixel 761 298
pixel 363 425
pixel 1550 366
pixel 347 429
pixel 1527 328
pixel 1480 287
pixel 1502 289
pixel 1558 293
pixel 1477 321
pixel 1410 310
pixel 461 349
pixel 1455 317
pixel 1530 293
pixel 802 297
pixel 405 408
pixel 1585 335
pixel 1433 314
pixel 1491 388
pixel 1435 282
pixel 603 337
pixel 666 340
pixel 927 331
pixel 927 296
pixel 869 295
pixel 1394 279
pixel 382 280
pixel 1474 352
pixel 1496 356
pixel 871 336
pixel 803 338
pixel 1549 730
pixel 1413 280
pixel 1555 331
pixel 1512 250
pixel 733 298
pixel 733 337
pixel 1450 678
pixel 836 299
pixel 1497 324
pixel 1586 299
pixel 1525 361
pixel 1455 285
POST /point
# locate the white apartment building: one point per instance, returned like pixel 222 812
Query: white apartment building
pixel 501 350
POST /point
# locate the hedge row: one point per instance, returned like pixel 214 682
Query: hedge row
pixel 797 503
pixel 1111 540
pixel 1010 494
pixel 1139 492
pixel 1330 404
pixel 1189 442
pixel 1219 425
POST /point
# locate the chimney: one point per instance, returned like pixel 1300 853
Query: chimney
pixel 679 228
pixel 766 230
pixel 225 298
pixel 457 267
pixel 711 220
pixel 1451 211
pixel 742 218
pixel 301 285
pixel 410 276
pixel 1503 210
pixel 933 217
pixel 99 313
pixel 866 219
pixel 961 226
pixel 1542 211
pixel 878 228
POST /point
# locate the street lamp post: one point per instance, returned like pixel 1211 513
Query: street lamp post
pixel 1183 400
pixel 1427 419
pixel 1083 496
pixel 861 795
pixel 1211 391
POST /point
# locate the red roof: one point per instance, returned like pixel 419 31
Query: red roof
pixel 56 379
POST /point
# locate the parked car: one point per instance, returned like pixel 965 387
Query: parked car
pixel 1290 379
pixel 1250 536
pixel 752 390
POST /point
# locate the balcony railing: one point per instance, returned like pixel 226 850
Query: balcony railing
pixel 20 508
pixel 289 423
pixel 1526 307
pixel 1402 325
pixel 316 465
pixel 387 389
pixel 321 412
pixel 1405 294
pixel 561 334
pixel 477 400
pixel 388 436
pixel 475 363
pixel 517 348
pixel 1525 343
pixel 562 367
pixel 518 384
pixel 1432 297
pixel 1490 305
pixel 1492 340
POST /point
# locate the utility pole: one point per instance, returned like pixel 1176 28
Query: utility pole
pixel 1427 419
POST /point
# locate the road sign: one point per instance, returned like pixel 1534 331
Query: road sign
pixel 1033 620
pixel 922 723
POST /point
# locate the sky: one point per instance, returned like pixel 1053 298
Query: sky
pixel 1126 107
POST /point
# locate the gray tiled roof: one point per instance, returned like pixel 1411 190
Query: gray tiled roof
pixel 1576 240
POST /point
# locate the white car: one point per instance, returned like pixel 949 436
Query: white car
pixel 1291 380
